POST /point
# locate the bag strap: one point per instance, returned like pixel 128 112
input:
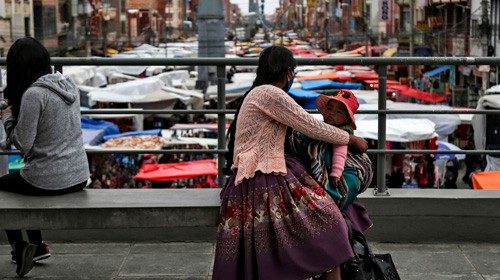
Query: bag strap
pixel 358 235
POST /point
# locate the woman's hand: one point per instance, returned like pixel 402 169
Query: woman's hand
pixel 359 144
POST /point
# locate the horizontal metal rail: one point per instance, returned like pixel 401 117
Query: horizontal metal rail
pixel 208 61
pixel 232 111
pixel 222 151
pixel 221 111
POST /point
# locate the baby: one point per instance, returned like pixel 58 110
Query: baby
pixel 343 174
pixel 338 111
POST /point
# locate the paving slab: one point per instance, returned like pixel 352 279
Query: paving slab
pixel 426 276
pixel 90 248
pixel 173 247
pixel 186 260
pixel 69 266
pixel 165 278
pixel 167 264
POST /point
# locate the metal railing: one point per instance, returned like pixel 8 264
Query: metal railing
pixel 221 63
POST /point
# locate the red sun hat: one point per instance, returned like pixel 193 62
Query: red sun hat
pixel 345 97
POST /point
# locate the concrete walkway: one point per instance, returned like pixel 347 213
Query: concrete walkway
pixel 194 261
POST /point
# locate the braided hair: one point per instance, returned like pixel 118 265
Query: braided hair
pixel 274 64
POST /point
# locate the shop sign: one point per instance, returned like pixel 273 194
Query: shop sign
pixel 140 4
pixel 458 46
pixel 465 70
pixel 435 22
pixel 384 10
pixel 422 26
pixel 484 68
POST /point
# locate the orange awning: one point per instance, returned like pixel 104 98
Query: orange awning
pixel 486 180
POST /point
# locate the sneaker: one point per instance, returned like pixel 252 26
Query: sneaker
pixel 24 253
pixel 41 253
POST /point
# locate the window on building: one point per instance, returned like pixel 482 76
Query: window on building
pixel 474 30
pixel 44 20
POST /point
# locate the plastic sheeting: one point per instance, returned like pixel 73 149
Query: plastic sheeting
pixel 154 132
pixel 148 90
pixel 486 180
pixel 479 120
pixel 108 128
pixel 444 124
pixel 305 98
pixel 177 171
pixel 92 136
pixel 436 71
pixel 479 126
pixel 398 130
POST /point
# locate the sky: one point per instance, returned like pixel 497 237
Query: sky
pixel 269 6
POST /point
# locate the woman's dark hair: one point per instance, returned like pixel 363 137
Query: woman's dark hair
pixel 27 60
pixel 274 64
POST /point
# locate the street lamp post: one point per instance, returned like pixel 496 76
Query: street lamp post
pixel 105 18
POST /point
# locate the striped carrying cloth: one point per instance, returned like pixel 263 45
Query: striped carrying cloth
pixel 317 157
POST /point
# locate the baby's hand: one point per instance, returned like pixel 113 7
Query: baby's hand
pixel 336 181
pixel 5 111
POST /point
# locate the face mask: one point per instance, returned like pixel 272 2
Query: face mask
pixel 288 85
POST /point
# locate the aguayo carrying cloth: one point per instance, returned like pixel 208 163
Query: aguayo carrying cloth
pixel 317 156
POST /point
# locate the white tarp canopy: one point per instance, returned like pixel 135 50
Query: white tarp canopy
pixel 479 120
pixel 147 90
pixel 445 124
pixel 397 130
pixel 493 90
pixel 81 75
pixel 479 125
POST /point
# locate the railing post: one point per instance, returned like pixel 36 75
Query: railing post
pixel 381 188
pixel 4 159
pixel 221 121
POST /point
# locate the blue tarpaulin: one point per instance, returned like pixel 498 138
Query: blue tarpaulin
pixel 108 127
pixel 436 71
pixel 92 136
pixel 328 84
pixel 153 132
pixel 338 85
pixel 305 98
pixel 316 84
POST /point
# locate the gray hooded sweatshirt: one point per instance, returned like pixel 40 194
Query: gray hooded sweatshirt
pixel 48 133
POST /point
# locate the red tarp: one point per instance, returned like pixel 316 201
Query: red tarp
pixel 375 82
pixel 365 76
pixel 176 171
pixel 422 95
pixel 415 93
pixel 326 76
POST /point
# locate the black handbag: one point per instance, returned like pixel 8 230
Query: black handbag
pixel 365 265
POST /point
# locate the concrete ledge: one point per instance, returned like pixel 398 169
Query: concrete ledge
pixel 416 215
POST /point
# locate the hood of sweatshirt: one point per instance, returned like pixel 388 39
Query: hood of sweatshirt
pixel 62 85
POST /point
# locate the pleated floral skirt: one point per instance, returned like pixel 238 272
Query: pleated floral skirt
pixel 279 227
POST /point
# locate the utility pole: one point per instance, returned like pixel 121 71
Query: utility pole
pixel 485 38
pixel 411 74
pixel 210 39
pixel 366 20
pixel 105 18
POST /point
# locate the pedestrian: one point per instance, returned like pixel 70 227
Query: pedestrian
pixel 276 221
pixel 43 123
